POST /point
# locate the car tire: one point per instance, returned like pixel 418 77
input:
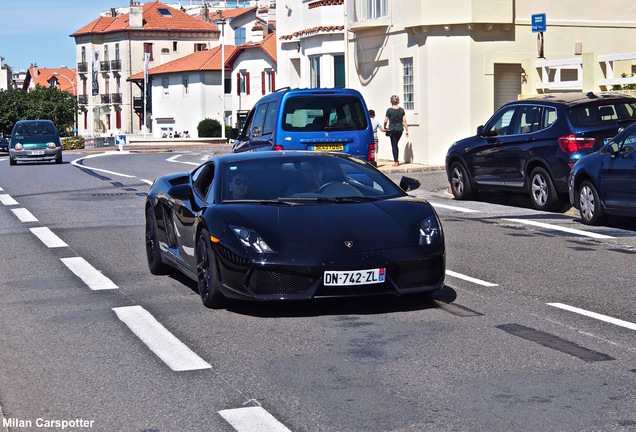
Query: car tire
pixel 11 161
pixel 460 183
pixel 153 251
pixel 206 273
pixel 543 194
pixel 589 204
pixel 58 160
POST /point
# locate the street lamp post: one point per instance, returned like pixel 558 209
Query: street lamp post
pixel 221 22
pixel 56 74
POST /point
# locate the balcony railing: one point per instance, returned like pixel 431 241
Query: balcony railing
pixel 105 98
pixel 82 67
pixel 82 99
pixel 115 65
pixel 115 98
pixel 104 66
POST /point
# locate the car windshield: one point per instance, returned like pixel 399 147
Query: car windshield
pixel 301 179
pixel 35 128
pixel 602 113
pixel 325 113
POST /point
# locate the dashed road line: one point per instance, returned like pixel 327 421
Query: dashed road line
pixel 559 228
pixel 7 200
pixel 24 215
pixel 164 344
pixel 90 275
pixel 459 209
pixel 470 279
pixel 47 237
pixel 252 419
pixel 598 316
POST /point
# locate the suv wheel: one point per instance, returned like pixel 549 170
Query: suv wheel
pixel 590 204
pixel 543 194
pixel 460 183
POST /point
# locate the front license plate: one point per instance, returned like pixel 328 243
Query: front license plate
pixel 354 277
pixel 328 147
pixel 35 152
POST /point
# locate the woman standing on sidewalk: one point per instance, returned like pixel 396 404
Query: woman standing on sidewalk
pixel 395 125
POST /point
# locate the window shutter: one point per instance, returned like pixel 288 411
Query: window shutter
pixel 273 81
pixel 238 83
pixel 247 83
pixel 263 82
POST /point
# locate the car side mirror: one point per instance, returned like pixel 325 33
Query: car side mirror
pixel 613 149
pixel 181 192
pixel 480 130
pixel 408 184
pixel 234 133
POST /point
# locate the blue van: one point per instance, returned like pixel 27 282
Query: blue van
pixel 309 119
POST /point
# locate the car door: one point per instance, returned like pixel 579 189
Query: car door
pixel 263 126
pixel 618 176
pixel 242 142
pixel 485 155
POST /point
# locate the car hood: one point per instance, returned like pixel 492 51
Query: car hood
pixel 326 227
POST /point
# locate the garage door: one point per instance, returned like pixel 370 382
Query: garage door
pixel 507 83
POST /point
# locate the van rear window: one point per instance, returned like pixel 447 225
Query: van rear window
pixel 324 113
pixel 606 114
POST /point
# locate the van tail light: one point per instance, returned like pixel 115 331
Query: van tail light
pixel 278 147
pixel 573 144
pixel 371 157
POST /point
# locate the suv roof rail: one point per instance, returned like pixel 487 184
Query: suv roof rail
pixel 282 89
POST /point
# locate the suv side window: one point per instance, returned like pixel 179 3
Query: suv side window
pixel 259 119
pixel 500 123
pixel 270 118
pixel 528 120
pixel 247 127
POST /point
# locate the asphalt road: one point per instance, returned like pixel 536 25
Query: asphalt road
pixel 534 330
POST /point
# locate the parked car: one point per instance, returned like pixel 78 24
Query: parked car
pixel 35 140
pixel 242 227
pixel 4 144
pixel 604 183
pixel 309 119
pixel 530 145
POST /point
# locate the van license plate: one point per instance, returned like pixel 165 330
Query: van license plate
pixel 328 147
pixel 354 277
pixel 35 152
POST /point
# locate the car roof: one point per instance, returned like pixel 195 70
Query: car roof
pixel 572 99
pixel 274 154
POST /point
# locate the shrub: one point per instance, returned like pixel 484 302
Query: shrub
pixel 72 143
pixel 209 128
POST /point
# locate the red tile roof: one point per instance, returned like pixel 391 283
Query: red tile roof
pixel 319 29
pixel 152 20
pixel 209 60
pixel 321 3
pixel 66 78
pixel 232 13
pixel 267 44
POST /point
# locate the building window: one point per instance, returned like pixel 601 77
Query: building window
pixel 148 50
pixel 314 65
pixel 407 84
pixel 199 47
pixel 186 85
pixel 166 86
pixel 338 71
pixel 83 54
pixel 243 82
pixel 118 119
pixel 363 10
pixel 106 53
pixel 174 46
pixel 116 51
pixel 239 36
pixel 267 81
pixel 228 83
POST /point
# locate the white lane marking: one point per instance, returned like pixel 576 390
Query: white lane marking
pixel 47 237
pixel 174 159
pixel 160 341
pixel 146 181
pixel 470 279
pixel 7 200
pixel 252 419
pixel 459 209
pixel 560 228
pixel 1 189
pixel 90 275
pixel 77 164
pixel 24 215
pixel 615 321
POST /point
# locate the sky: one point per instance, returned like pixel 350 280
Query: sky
pixel 37 31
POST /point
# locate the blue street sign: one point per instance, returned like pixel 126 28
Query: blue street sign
pixel 538 23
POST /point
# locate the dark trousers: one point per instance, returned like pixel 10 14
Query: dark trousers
pixel 395 137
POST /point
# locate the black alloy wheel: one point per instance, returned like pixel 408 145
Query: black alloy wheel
pixel 460 183
pixel 206 273
pixel 153 252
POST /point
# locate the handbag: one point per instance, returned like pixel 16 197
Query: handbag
pixel 389 131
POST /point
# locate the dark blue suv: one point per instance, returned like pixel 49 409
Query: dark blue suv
pixel 309 119
pixel 530 145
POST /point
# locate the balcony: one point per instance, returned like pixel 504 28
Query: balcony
pixel 115 65
pixel 115 98
pixel 105 98
pixel 104 66
pixel 138 104
pixel 82 99
pixel 82 67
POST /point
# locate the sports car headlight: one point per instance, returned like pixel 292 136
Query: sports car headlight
pixel 251 239
pixel 429 231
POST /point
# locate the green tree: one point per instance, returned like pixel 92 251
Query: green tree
pixel 41 103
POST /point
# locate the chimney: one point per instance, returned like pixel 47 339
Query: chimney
pixel 136 20
pixel 258 32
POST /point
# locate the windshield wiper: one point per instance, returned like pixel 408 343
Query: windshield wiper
pixel 283 202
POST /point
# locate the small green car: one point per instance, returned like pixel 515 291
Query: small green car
pixel 35 141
